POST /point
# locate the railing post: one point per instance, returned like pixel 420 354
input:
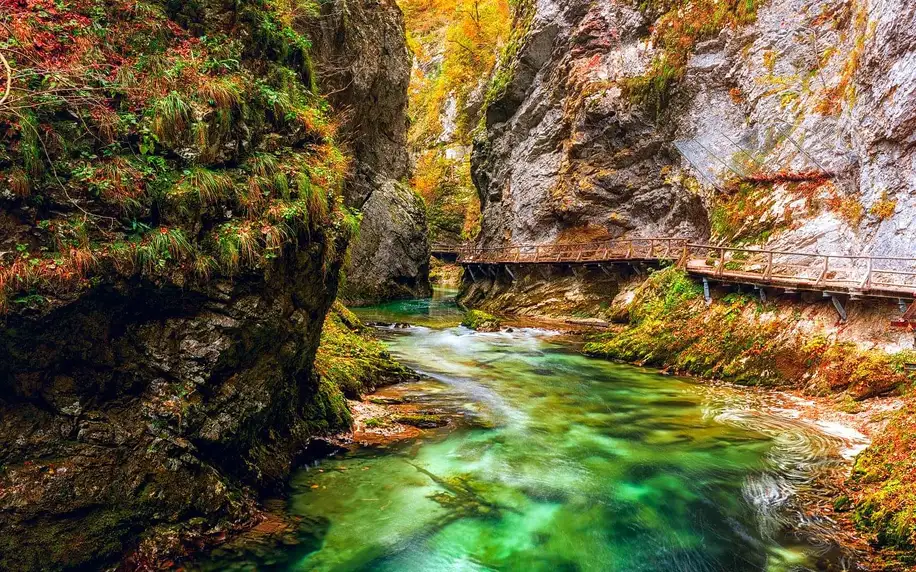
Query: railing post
pixel 537 253
pixel 769 269
pixel 630 249
pixel 651 248
pixel 820 279
pixel 867 281
pixel 721 268
pixel 684 261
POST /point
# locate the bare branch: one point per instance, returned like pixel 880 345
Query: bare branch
pixel 9 78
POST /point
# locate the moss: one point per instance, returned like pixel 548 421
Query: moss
pixel 884 484
pixel 669 325
pixel 182 96
pixel 351 359
pixel 480 321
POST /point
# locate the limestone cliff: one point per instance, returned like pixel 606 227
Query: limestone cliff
pixel 364 67
pixel 787 123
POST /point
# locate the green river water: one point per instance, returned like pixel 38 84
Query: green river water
pixel 560 462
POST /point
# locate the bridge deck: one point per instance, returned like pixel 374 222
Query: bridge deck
pixel 888 277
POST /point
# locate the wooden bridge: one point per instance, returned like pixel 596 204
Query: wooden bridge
pixel 855 276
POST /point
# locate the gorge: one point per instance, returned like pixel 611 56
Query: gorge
pixel 191 192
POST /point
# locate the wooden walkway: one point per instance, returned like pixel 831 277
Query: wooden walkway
pixel 856 276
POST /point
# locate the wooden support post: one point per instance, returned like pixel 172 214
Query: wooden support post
pixel 685 254
pixel 721 269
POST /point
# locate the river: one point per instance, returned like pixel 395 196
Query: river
pixel 559 462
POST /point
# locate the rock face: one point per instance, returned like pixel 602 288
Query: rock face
pixel 147 408
pixel 362 61
pixel 819 92
pixel 564 156
pixel 390 258
pixel 138 408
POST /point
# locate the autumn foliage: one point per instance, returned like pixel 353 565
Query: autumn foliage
pixel 159 139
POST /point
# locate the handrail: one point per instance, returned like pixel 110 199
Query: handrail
pixel 858 274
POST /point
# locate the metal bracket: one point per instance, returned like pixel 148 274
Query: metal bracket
pixel 763 294
pixel 509 270
pixel 471 271
pixel 706 295
pixel 839 308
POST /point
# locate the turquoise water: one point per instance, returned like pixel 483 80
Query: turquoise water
pixel 560 462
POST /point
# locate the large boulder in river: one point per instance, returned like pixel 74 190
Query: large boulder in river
pixel 390 259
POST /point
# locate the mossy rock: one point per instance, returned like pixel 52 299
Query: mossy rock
pixel 481 321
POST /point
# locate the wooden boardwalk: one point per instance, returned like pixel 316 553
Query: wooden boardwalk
pixel 856 276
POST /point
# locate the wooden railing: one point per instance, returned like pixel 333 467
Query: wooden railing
pixel 865 275
pixel 442 248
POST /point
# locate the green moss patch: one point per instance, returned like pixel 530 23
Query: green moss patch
pixel 176 141
pixel 480 321
pixel 884 477
pixel 350 359
pixel 740 339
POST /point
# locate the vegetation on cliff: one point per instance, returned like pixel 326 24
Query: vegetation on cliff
pixel 455 43
pixel 164 140
pixel 679 26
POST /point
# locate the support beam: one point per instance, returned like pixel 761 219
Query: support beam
pixel 706 295
pixel 509 270
pixel 839 308
pixel 471 272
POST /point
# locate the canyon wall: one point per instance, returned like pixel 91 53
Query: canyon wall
pixel 169 249
pixel 790 124
pixel 363 65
